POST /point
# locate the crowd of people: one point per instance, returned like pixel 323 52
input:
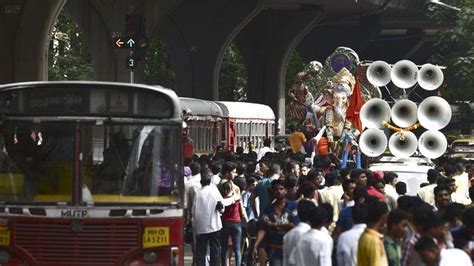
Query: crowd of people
pixel 284 208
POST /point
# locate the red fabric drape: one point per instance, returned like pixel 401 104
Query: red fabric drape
pixel 355 104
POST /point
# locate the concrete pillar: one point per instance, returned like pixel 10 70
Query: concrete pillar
pixel 197 34
pixel 25 27
pixel 266 44
pixel 99 41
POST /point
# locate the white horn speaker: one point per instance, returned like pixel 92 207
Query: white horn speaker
pixel 404 74
pixel 432 144
pixel 430 77
pixel 404 113
pixel 405 147
pixel 374 112
pixel 378 73
pixel 372 142
pixel 434 113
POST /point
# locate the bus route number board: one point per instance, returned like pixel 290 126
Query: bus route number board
pixel 156 237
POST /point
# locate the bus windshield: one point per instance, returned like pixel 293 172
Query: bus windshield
pixel 116 163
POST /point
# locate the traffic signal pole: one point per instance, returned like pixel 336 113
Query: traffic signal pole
pixel 131 69
pixel 134 38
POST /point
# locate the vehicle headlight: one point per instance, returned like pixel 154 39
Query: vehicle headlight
pixel 174 256
pixel 150 256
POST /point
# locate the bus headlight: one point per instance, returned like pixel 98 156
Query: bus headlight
pixel 174 256
pixel 150 256
pixel 4 257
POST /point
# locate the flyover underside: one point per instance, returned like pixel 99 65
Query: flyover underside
pixel 25 29
pixel 197 34
pixel 266 44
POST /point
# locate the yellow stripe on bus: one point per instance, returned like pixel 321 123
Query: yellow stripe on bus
pixel 109 198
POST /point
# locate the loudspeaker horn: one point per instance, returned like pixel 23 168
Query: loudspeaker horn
pixel 434 113
pixel 378 73
pixel 430 77
pixel 402 147
pixel 404 74
pixel 374 112
pixel 432 144
pixel 404 113
pixel 372 142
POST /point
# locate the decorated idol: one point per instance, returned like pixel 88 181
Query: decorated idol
pixel 300 97
pixel 332 86
pixel 332 105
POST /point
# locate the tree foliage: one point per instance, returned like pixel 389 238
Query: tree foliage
pixel 68 54
pixel 454 48
pixel 158 68
pixel 232 76
pixel 295 64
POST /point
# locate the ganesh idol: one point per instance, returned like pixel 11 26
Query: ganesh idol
pixel 331 106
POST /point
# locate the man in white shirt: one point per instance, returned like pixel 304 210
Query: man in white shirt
pixel 192 185
pixel 315 246
pixel 333 193
pixel 390 192
pixel 207 222
pixel 347 200
pixel 431 254
pixel 305 207
pixel 426 193
pixel 216 167
pixel 191 188
pixel 266 148
pixel 348 241
pixel 462 184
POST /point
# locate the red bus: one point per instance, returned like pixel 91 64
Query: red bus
pixel 227 124
pixel 90 174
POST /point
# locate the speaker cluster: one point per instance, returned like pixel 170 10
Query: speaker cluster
pixel 433 113
pixel 405 74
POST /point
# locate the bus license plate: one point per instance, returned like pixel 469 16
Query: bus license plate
pixel 156 237
pixel 4 236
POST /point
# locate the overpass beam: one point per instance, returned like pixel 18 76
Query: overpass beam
pixel 101 20
pixel 197 35
pixel 266 44
pixel 25 29
pixel 91 22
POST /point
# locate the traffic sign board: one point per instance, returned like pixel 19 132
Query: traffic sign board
pixel 131 62
pixel 131 43
pixel 124 42
pixel 119 42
